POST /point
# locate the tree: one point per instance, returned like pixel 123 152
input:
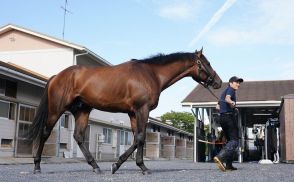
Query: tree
pixel 181 120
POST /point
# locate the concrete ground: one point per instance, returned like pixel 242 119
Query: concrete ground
pixel 55 169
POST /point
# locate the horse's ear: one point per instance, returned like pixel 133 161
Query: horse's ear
pixel 199 53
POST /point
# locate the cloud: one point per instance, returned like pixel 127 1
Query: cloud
pixel 215 18
pixel 176 11
pixel 271 22
pixel 179 10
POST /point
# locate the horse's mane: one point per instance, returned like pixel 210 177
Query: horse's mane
pixel 163 59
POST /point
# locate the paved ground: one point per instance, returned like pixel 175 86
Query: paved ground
pixel 178 170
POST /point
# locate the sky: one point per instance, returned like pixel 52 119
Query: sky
pixel 252 39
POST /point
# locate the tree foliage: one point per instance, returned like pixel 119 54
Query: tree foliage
pixel 182 120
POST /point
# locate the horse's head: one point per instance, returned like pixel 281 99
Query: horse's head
pixel 204 73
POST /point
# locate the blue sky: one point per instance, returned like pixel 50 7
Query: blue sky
pixel 253 39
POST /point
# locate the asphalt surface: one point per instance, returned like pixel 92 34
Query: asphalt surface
pixel 178 170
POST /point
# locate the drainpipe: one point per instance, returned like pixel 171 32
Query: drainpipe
pixel 76 55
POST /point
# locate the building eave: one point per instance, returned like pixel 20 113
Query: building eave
pixel 107 123
pixel 21 74
pixel 272 103
pixel 157 122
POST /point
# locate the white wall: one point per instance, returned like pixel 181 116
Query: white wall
pixel 47 62
pixel 116 118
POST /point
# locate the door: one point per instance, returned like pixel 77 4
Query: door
pixel 26 115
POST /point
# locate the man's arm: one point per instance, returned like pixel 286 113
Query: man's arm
pixel 229 101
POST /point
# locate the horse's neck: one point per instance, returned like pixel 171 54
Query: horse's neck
pixel 170 73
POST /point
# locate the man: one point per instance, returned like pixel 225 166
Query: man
pixel 229 124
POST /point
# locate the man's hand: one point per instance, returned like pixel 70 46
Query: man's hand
pixel 217 107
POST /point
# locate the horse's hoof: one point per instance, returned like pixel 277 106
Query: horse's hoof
pixel 113 168
pixel 37 171
pixel 97 170
pixel 147 172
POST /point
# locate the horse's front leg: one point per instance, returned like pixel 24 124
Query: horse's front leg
pixel 142 117
pixel 123 158
pixel 139 156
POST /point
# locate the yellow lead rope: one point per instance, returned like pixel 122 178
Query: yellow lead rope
pixel 215 143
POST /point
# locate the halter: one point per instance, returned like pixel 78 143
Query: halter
pixel 210 79
pixel 211 76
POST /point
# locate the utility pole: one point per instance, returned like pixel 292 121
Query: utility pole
pixel 65 11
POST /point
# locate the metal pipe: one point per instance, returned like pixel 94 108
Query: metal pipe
pixel 76 55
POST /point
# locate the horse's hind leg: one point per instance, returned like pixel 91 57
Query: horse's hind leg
pixel 39 143
pixel 82 117
pixel 125 156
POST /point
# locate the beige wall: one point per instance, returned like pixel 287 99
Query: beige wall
pixel 18 41
pixel 36 54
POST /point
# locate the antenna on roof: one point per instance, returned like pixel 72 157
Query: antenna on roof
pixel 65 11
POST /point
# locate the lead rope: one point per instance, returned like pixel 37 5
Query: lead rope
pixel 209 91
pixel 203 141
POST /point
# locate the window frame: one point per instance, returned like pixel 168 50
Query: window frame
pixel 64 124
pixel 126 139
pixel 109 133
pixel 11 113
pixel 23 117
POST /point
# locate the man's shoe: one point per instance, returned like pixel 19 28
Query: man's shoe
pixel 230 168
pixel 219 164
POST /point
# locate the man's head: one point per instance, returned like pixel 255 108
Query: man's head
pixel 234 82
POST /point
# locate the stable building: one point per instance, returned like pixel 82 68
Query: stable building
pixel 257 101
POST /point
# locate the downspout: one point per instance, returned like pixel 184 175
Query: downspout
pixel 76 55
pixel 72 118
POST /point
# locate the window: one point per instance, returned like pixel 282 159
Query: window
pixel 155 128
pixel 129 141
pixel 107 132
pixel 27 113
pixel 23 129
pixel 125 138
pixel 8 88
pixel 63 145
pixel 6 143
pixel 7 110
pixel 64 120
pixel 170 133
pixel 2 86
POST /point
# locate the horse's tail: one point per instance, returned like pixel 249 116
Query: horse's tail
pixel 41 117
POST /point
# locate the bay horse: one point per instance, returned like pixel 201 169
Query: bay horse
pixel 132 87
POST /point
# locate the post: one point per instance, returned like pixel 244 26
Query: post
pixel 241 141
pixel 195 134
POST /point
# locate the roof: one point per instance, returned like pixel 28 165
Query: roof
pixel 250 91
pixel 160 123
pixel 80 48
pixel 13 67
